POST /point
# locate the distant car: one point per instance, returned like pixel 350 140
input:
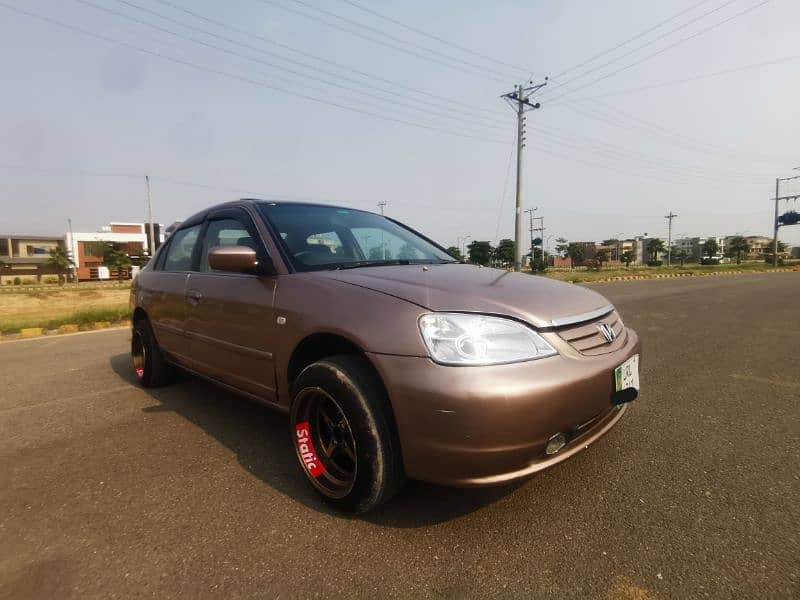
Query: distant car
pixel 391 358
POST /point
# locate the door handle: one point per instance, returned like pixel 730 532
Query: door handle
pixel 194 296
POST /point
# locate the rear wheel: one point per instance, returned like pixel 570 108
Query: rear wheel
pixel 149 364
pixel 344 435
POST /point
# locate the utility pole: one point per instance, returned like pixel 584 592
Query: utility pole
pixel 530 212
pixel 669 217
pixel 150 218
pixel 382 205
pixel 540 229
pixel 519 100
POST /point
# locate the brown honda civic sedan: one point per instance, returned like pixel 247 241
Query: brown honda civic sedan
pixel 391 358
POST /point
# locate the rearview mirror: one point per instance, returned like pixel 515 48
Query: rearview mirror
pixel 238 259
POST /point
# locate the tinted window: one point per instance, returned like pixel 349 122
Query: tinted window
pixel 181 247
pixel 225 232
pixel 325 237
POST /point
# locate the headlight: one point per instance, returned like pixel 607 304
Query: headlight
pixel 468 339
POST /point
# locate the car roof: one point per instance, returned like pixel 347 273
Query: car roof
pixel 200 215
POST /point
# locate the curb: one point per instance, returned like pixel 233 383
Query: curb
pixel 673 275
pixel 66 329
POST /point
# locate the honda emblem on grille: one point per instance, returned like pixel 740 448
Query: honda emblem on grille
pixel 607 332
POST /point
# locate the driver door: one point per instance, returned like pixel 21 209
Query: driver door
pixel 230 316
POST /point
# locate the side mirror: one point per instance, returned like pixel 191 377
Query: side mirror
pixel 238 259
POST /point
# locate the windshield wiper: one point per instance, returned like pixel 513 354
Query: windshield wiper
pixel 372 263
pixel 388 262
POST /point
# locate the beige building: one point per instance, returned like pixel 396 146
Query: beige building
pixel 26 257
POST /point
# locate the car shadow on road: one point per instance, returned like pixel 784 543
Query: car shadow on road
pixel 259 436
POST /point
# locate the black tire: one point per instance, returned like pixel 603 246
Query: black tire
pixel 149 364
pixel 357 474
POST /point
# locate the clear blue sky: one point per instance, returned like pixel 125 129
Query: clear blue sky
pixel 606 159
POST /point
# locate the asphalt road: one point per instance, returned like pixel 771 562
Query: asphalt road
pixel 108 490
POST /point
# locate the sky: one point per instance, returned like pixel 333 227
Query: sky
pixel 686 106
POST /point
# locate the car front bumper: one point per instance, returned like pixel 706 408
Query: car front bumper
pixel 481 426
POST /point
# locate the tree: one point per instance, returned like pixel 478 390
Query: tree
pixel 561 246
pixel 407 252
pixel 61 261
pixel 655 247
pixel 380 253
pixel 480 253
pixel 455 253
pixel 738 246
pixel 628 257
pixel 601 257
pixel 504 254
pixel 711 247
pixel 679 254
pixel 576 253
pixel 768 253
pixel 116 260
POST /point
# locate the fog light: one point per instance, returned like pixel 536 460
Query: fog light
pixel 555 443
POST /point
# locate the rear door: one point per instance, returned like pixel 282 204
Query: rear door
pixel 166 305
pixel 230 317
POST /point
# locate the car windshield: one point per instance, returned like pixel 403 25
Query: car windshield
pixel 325 237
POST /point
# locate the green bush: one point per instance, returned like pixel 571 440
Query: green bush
pixel 655 263
pixel 709 261
pixel 50 279
pixel 17 281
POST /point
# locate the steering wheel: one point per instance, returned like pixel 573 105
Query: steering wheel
pixel 303 253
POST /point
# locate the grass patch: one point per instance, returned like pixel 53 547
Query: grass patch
pixel 83 318
pixel 584 274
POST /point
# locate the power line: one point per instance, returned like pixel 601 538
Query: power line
pixel 245 79
pixel 471 70
pixel 485 119
pixel 646 44
pixel 382 99
pixel 617 118
pixel 679 81
pixel 322 59
pixel 631 39
pixel 501 201
pixel 391 93
pixel 661 51
pixel 441 40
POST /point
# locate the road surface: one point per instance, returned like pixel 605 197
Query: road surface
pixel 108 490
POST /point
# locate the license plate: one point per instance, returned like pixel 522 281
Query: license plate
pixel 627 374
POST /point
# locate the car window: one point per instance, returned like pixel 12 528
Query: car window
pixel 325 237
pixel 379 244
pixel 161 255
pixel 225 232
pixel 181 247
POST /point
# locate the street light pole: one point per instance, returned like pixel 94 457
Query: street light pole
pixel 777 224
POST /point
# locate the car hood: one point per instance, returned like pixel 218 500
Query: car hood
pixel 468 288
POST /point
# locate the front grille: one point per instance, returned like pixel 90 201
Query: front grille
pixel 587 338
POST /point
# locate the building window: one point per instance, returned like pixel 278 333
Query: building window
pixel 37 250
pixel 4 247
pixel 94 248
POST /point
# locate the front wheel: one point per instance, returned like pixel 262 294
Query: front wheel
pixel 344 434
